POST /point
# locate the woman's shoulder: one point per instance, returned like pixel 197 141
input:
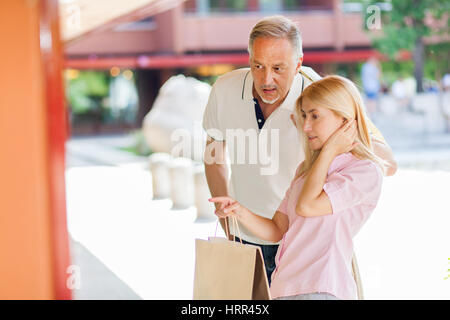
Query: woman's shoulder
pixel 354 164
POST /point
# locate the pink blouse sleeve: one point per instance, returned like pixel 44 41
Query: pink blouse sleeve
pixel 359 184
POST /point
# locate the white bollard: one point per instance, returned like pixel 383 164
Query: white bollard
pixel 205 209
pixel 182 183
pixel 159 167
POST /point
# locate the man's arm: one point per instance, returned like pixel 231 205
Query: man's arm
pixel 382 149
pixel 216 172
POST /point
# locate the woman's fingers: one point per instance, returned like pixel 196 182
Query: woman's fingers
pixel 219 199
pixel 349 125
pixel 231 208
pixel 224 201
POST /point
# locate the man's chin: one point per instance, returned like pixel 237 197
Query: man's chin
pixel 270 101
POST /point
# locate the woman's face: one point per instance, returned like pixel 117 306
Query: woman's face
pixel 318 124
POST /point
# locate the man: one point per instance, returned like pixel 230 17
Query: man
pixel 250 104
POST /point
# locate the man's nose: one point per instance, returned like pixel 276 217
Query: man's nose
pixel 268 77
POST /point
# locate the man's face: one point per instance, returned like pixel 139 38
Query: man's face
pixel 274 66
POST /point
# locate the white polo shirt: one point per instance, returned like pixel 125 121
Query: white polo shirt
pixel 262 161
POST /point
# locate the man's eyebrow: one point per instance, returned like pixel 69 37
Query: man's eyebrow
pixel 275 65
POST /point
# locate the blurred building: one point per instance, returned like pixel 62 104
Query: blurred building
pixel 207 38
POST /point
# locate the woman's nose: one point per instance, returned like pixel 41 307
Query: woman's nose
pixel 306 126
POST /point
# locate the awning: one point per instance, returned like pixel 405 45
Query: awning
pixel 192 60
pixel 79 17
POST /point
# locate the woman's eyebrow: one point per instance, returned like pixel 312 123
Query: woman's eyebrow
pixel 312 110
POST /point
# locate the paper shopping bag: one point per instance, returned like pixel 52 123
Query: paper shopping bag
pixel 228 270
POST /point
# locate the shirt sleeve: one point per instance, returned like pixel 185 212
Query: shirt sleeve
pixel 211 122
pixel 358 184
pixel 283 205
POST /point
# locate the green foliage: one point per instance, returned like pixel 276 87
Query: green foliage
pixel 405 26
pixel 228 5
pixel 86 90
pixel 439 59
pixel 405 23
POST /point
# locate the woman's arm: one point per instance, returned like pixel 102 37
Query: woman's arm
pixel 267 229
pixel 313 201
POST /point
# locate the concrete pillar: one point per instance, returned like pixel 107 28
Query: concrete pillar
pixel 181 183
pixel 159 168
pixel 205 209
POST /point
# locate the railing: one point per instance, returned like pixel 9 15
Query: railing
pixel 263 6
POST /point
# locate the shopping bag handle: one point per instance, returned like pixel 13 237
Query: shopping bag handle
pixel 235 223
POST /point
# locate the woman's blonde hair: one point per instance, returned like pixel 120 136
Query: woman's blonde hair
pixel 341 96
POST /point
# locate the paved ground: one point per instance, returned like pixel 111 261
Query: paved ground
pixel 129 246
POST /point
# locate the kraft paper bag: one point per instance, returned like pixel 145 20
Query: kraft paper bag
pixel 227 270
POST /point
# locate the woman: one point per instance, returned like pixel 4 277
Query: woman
pixel 334 191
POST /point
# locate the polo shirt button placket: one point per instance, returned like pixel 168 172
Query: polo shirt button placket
pixel 259 114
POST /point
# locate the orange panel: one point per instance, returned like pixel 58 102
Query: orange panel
pixel 27 218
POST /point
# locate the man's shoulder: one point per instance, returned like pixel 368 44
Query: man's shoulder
pixel 309 75
pixel 233 77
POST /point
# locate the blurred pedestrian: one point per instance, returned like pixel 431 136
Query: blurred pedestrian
pixel 370 77
pixel 399 92
pixel 446 82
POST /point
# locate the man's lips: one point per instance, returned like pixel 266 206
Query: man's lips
pixel 311 138
pixel 269 90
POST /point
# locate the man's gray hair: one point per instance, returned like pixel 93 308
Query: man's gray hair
pixel 277 27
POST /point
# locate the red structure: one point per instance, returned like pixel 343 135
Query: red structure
pixel 183 32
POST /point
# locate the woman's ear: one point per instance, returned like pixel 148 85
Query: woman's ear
pixel 293 120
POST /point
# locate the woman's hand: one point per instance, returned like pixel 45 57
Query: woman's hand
pixel 228 207
pixel 343 140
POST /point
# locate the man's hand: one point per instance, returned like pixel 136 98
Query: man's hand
pixel 383 151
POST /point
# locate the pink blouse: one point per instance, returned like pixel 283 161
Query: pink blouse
pixel 315 254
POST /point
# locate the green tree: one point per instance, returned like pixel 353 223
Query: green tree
pixel 406 25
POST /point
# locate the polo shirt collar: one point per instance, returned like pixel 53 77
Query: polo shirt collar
pixel 288 103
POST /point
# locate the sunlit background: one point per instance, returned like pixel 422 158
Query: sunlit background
pixel 136 71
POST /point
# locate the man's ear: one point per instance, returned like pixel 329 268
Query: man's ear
pixel 299 64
